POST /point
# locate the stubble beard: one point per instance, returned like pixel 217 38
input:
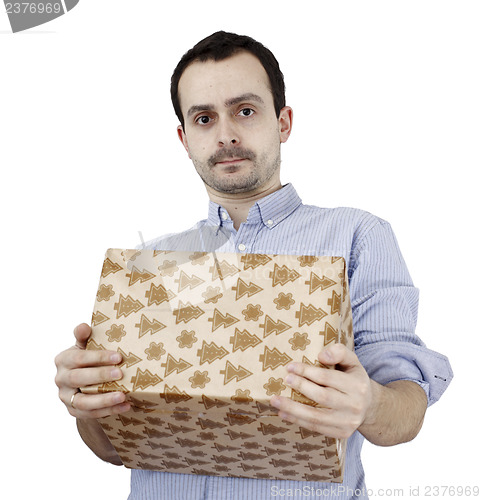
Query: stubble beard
pixel 261 171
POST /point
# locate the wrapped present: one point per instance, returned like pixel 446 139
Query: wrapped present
pixel 205 340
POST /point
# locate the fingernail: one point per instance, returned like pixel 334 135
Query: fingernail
pixel 116 374
pixel 275 402
pixel 289 379
pixel 327 355
pixel 118 398
pixel 116 358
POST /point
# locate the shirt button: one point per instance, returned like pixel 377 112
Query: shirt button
pixel 270 222
pixel 241 247
pixel 223 215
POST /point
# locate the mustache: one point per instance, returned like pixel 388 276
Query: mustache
pixel 225 154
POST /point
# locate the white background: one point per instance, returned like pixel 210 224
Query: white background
pixel 387 113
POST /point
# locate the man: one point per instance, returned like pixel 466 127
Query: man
pixel 228 93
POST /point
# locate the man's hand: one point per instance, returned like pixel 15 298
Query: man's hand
pixel 77 367
pixel 346 394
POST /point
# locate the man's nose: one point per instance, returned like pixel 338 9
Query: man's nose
pixel 227 133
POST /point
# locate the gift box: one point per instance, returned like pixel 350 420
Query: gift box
pixel 205 340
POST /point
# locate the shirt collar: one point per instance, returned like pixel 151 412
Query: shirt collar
pixel 269 210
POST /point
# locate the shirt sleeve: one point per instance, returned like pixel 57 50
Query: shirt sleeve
pixel 384 305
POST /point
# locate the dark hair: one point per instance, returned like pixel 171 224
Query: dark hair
pixel 220 46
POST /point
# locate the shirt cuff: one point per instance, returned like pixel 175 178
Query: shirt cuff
pixel 387 362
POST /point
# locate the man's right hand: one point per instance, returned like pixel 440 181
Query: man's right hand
pixel 78 367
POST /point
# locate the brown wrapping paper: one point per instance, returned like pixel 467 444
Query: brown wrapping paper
pixel 205 340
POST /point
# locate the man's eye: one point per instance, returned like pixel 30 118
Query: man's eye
pixel 247 112
pixel 203 120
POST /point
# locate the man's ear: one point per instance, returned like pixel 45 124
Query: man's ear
pixel 285 123
pixel 183 138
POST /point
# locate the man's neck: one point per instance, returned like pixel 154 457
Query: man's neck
pixel 238 205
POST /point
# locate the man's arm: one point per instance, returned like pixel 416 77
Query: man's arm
pixel 385 415
pixel 95 438
pixel 77 367
pixel 396 414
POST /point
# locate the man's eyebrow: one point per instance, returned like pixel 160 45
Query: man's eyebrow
pixel 249 96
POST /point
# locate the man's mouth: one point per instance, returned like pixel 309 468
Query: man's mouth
pixel 230 162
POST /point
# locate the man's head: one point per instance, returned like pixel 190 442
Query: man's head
pixel 220 46
pixel 231 125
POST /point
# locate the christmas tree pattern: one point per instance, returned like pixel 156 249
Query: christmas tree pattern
pixel 219 319
pixel 93 346
pixel 127 305
pixel 300 398
pixel 243 340
pixel 270 429
pixel 158 294
pixel 247 467
pixel 329 333
pixel 221 448
pixel 110 267
pixel 242 288
pixel 250 456
pixel 236 419
pixel 148 326
pixel 187 312
pixel 275 451
pixel 273 358
pixel 174 395
pixel 221 270
pixel 137 275
pixel 308 314
pixel 231 372
pixel 253 260
pixel 335 303
pixel 144 379
pixel 271 326
pixel 315 282
pixel 213 403
pixel 233 435
pixel 172 365
pixel 210 352
pixel 186 281
pixel 283 275
pixel 98 318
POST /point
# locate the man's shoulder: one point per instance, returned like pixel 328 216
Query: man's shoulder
pixel 349 218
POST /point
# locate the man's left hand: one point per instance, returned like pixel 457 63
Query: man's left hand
pixel 345 394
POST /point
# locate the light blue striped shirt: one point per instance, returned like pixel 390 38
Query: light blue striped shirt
pixel 384 307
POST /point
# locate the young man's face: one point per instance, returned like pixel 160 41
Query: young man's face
pixel 231 132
